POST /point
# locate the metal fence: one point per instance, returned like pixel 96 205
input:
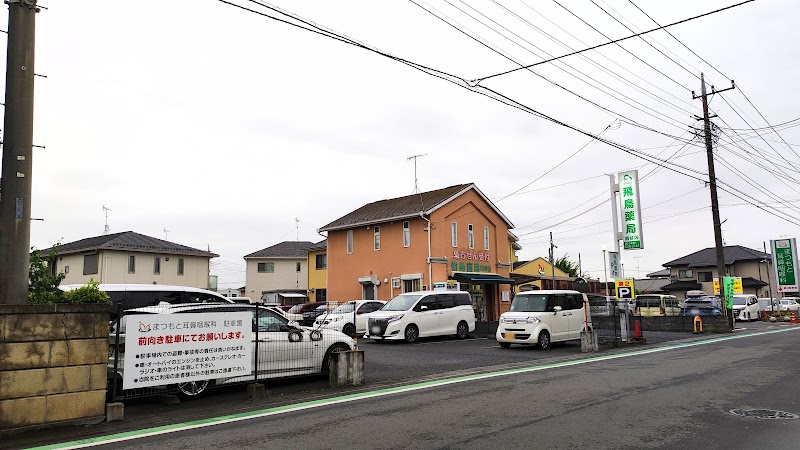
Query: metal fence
pixel 611 320
pixel 189 349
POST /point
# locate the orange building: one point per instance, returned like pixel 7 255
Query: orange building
pixel 448 238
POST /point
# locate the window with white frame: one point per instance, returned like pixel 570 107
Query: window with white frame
pixel 486 238
pixel 131 263
pixel 349 241
pixel 377 237
pixel 470 236
pixel 406 234
pixel 454 234
pixel 157 266
pixel 180 266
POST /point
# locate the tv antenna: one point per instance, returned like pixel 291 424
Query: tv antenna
pixel 416 181
pixel 106 229
pixel 166 233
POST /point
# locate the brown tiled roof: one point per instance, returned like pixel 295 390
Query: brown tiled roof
pixel 130 241
pixel 285 249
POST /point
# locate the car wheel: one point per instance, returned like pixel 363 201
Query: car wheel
pixel 335 348
pixel 411 333
pixel 349 329
pixel 462 329
pixel 544 340
pixel 505 344
pixel 193 389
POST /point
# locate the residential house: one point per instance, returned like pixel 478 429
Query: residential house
pixel 318 272
pixel 529 275
pixel 422 241
pixel 132 258
pixel 279 274
pixel 697 271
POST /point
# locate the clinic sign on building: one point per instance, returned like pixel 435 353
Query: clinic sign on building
pixel 784 260
pixel 178 348
pixel 631 210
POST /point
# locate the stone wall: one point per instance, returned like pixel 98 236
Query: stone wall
pixel 711 324
pixel 52 365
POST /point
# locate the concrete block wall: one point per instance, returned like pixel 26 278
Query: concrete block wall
pixel 52 365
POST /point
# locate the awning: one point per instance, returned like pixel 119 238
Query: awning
pixel 752 282
pixel 291 295
pixel 482 278
pixel 682 286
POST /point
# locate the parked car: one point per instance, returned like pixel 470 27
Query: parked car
pixel 768 304
pixel 601 305
pixel 129 296
pixel 702 306
pixel 745 307
pixel 299 311
pixel 790 304
pixel 542 317
pixel 342 318
pixel 311 315
pixel 418 314
pixel 280 354
pixel 649 305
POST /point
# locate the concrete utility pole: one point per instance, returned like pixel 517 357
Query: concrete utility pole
pixel 712 180
pixel 553 259
pixel 15 202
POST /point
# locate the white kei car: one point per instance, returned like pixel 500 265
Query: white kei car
pixel 342 318
pixel 542 317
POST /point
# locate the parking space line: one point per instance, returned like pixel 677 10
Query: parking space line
pixel 165 429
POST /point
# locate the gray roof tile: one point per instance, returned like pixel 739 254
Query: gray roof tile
pixel 130 241
pixel 285 249
pixel 708 256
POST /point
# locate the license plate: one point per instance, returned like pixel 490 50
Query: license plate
pixel 509 335
pixel 376 330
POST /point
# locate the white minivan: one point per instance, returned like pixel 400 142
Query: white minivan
pixel 413 315
pixel 745 307
pixel 542 317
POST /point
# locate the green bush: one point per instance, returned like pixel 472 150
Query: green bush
pixel 42 283
pixel 90 293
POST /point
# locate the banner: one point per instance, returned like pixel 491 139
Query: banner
pixel 631 210
pixel 613 265
pixel 738 288
pixel 784 260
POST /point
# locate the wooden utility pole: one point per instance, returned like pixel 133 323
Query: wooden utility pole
pixel 16 187
pixel 712 181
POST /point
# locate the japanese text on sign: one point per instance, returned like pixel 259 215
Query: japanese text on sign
pixel 784 260
pixel 170 348
pixel 631 210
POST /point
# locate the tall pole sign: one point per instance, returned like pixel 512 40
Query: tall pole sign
pixel 631 210
pixel 784 260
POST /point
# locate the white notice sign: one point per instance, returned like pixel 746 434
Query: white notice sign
pixel 175 348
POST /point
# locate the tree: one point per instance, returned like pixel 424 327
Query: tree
pixel 42 282
pixel 567 266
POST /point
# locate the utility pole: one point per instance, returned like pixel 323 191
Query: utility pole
pixel 712 181
pixel 16 185
pixel 553 259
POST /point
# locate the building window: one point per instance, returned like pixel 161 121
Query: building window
pixel 66 269
pixel 349 242
pixel 685 273
pixel 131 264
pixel 486 238
pixel 90 264
pixel 321 295
pixel 266 267
pixel 180 266
pixel 470 236
pixel 704 276
pixel 411 285
pixel 157 266
pixel 377 237
pixel 298 267
pixel 454 234
pixel 322 261
pixel 406 234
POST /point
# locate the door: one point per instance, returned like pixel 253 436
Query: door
pixel 448 315
pixel 278 355
pixel 559 322
pixel 427 319
pixel 576 315
pixel 369 291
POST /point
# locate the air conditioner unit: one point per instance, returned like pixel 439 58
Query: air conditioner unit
pixel 396 283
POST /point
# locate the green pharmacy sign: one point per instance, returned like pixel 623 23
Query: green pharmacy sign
pixel 631 210
pixel 784 260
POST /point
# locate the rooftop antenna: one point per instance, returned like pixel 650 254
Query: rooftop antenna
pixel 166 233
pixel 416 181
pixel 106 229
pixel 297 228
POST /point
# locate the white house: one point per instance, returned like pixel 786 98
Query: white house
pixel 279 273
pixel 130 257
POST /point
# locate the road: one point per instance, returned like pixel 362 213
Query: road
pixel 679 396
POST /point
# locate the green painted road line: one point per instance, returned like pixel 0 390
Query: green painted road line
pixel 148 432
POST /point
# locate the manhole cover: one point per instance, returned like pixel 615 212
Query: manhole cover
pixel 764 414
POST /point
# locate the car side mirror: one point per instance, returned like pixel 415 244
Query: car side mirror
pixel 423 308
pixel 557 309
pixel 293 324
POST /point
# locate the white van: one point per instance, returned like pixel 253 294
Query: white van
pixel 745 307
pixel 413 315
pixel 342 318
pixel 542 317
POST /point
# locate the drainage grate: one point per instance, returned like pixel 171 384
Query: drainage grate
pixel 764 414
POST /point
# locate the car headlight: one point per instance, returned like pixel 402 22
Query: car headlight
pixel 394 318
pixel 533 320
pixel 336 319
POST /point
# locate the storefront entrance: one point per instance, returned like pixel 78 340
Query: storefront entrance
pixel 484 290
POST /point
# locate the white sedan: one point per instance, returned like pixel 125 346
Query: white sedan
pixel 789 304
pixel 343 319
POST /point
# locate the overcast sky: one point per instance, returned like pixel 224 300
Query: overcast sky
pixel 223 126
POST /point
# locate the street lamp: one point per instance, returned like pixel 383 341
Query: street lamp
pixel 622 267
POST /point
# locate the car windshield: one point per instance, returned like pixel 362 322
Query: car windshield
pixel 739 300
pixel 529 303
pixel 402 302
pixel 294 309
pixel 344 309
pixel 698 301
pixel 785 302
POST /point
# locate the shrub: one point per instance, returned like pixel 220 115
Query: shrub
pixel 42 283
pixel 90 293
